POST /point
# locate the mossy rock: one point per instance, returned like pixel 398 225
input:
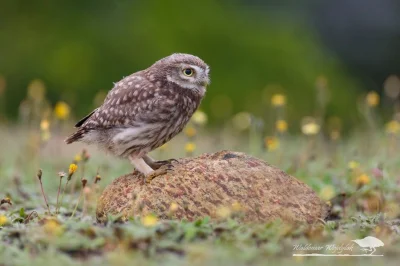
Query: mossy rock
pixel 214 185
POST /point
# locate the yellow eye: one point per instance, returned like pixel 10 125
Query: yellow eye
pixel 188 72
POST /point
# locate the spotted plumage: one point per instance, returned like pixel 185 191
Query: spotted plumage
pixel 146 109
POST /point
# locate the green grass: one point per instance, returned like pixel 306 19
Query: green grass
pixel 359 176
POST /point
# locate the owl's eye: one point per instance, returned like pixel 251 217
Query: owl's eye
pixel 188 72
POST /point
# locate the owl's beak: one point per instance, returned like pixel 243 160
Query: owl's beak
pixel 205 82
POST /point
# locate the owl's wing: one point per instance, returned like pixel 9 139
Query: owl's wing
pixel 134 83
pixel 83 120
pixel 133 101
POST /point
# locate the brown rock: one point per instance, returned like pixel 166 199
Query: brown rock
pixel 214 185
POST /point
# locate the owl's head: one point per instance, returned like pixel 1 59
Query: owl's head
pixel 185 70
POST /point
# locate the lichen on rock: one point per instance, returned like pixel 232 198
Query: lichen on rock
pixel 213 185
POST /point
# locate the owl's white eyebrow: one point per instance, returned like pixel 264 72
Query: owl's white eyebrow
pixel 200 89
pixel 197 69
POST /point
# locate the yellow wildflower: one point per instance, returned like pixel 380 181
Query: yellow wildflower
pixel 310 129
pixel 242 121
pixel 77 158
pixel 271 143
pixel 190 132
pixel 393 127
pixel 44 125
pixel 97 178
pixel 236 207
pixel 6 200
pixel 372 99
pixel 53 227
pixel 353 165
pixel 200 118
pixel 224 212
pixel 36 90
pixel 310 126
pixel 39 174
pixel 3 220
pixel 327 193
pixel 278 100
pixel 329 203
pixel 190 147
pixel 281 126
pixel 149 220
pixel 173 207
pixel 62 110
pixel 363 179
pixel 72 168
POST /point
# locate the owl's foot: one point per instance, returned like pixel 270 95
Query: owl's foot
pixel 150 170
pixel 160 171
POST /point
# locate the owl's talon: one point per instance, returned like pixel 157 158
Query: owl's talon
pixel 169 161
pixel 160 171
pixel 159 164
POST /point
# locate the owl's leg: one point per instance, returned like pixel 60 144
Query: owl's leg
pixel 145 169
pixel 157 164
pixel 141 165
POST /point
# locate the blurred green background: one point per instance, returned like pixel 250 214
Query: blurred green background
pixel 255 49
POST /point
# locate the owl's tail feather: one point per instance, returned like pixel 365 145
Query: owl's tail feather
pixel 76 136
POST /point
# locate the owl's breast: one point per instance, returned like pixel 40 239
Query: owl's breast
pixel 183 111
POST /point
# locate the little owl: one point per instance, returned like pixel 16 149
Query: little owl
pixel 145 110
